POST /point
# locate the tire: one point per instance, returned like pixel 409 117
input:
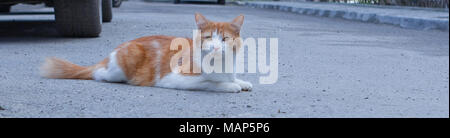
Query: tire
pixel 221 2
pixel 5 8
pixel 49 4
pixel 117 3
pixel 78 18
pixel 107 14
pixel 176 1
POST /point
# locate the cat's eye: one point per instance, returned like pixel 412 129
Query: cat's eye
pixel 207 37
pixel 225 38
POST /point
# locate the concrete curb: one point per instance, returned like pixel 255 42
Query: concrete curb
pixel 404 22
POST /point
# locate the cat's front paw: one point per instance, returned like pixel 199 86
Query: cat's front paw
pixel 230 87
pixel 245 85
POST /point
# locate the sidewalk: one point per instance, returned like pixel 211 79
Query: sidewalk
pixel 405 17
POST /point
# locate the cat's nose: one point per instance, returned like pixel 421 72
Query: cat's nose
pixel 216 48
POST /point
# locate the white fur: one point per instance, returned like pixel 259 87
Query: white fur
pixel 245 85
pixel 178 81
pixel 113 73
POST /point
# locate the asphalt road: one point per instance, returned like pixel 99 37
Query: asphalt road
pixel 327 68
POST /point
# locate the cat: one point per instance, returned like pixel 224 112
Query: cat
pixel 146 61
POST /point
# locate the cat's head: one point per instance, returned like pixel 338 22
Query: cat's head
pixel 219 36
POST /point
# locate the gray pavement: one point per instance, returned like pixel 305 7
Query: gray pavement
pixel 328 67
pixel 405 17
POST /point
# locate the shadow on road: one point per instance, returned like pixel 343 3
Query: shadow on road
pixel 35 31
pixel 28 28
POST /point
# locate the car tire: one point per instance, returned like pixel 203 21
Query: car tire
pixel 78 18
pixel 176 1
pixel 5 8
pixel 49 4
pixel 222 2
pixel 107 14
pixel 117 3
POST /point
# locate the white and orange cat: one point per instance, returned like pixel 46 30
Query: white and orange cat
pixel 146 61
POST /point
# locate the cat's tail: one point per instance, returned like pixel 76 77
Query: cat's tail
pixel 61 69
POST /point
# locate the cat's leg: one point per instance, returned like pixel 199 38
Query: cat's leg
pixel 220 86
pixel 178 81
pixel 111 73
pixel 245 85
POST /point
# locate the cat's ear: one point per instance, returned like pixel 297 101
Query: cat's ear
pixel 200 20
pixel 238 21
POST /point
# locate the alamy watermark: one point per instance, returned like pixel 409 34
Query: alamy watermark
pixel 203 55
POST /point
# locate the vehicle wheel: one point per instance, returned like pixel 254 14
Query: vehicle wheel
pixel 176 1
pixel 5 8
pixel 107 14
pixel 79 18
pixel 49 4
pixel 117 3
pixel 222 2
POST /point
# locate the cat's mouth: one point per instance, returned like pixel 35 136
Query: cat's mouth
pixel 214 47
